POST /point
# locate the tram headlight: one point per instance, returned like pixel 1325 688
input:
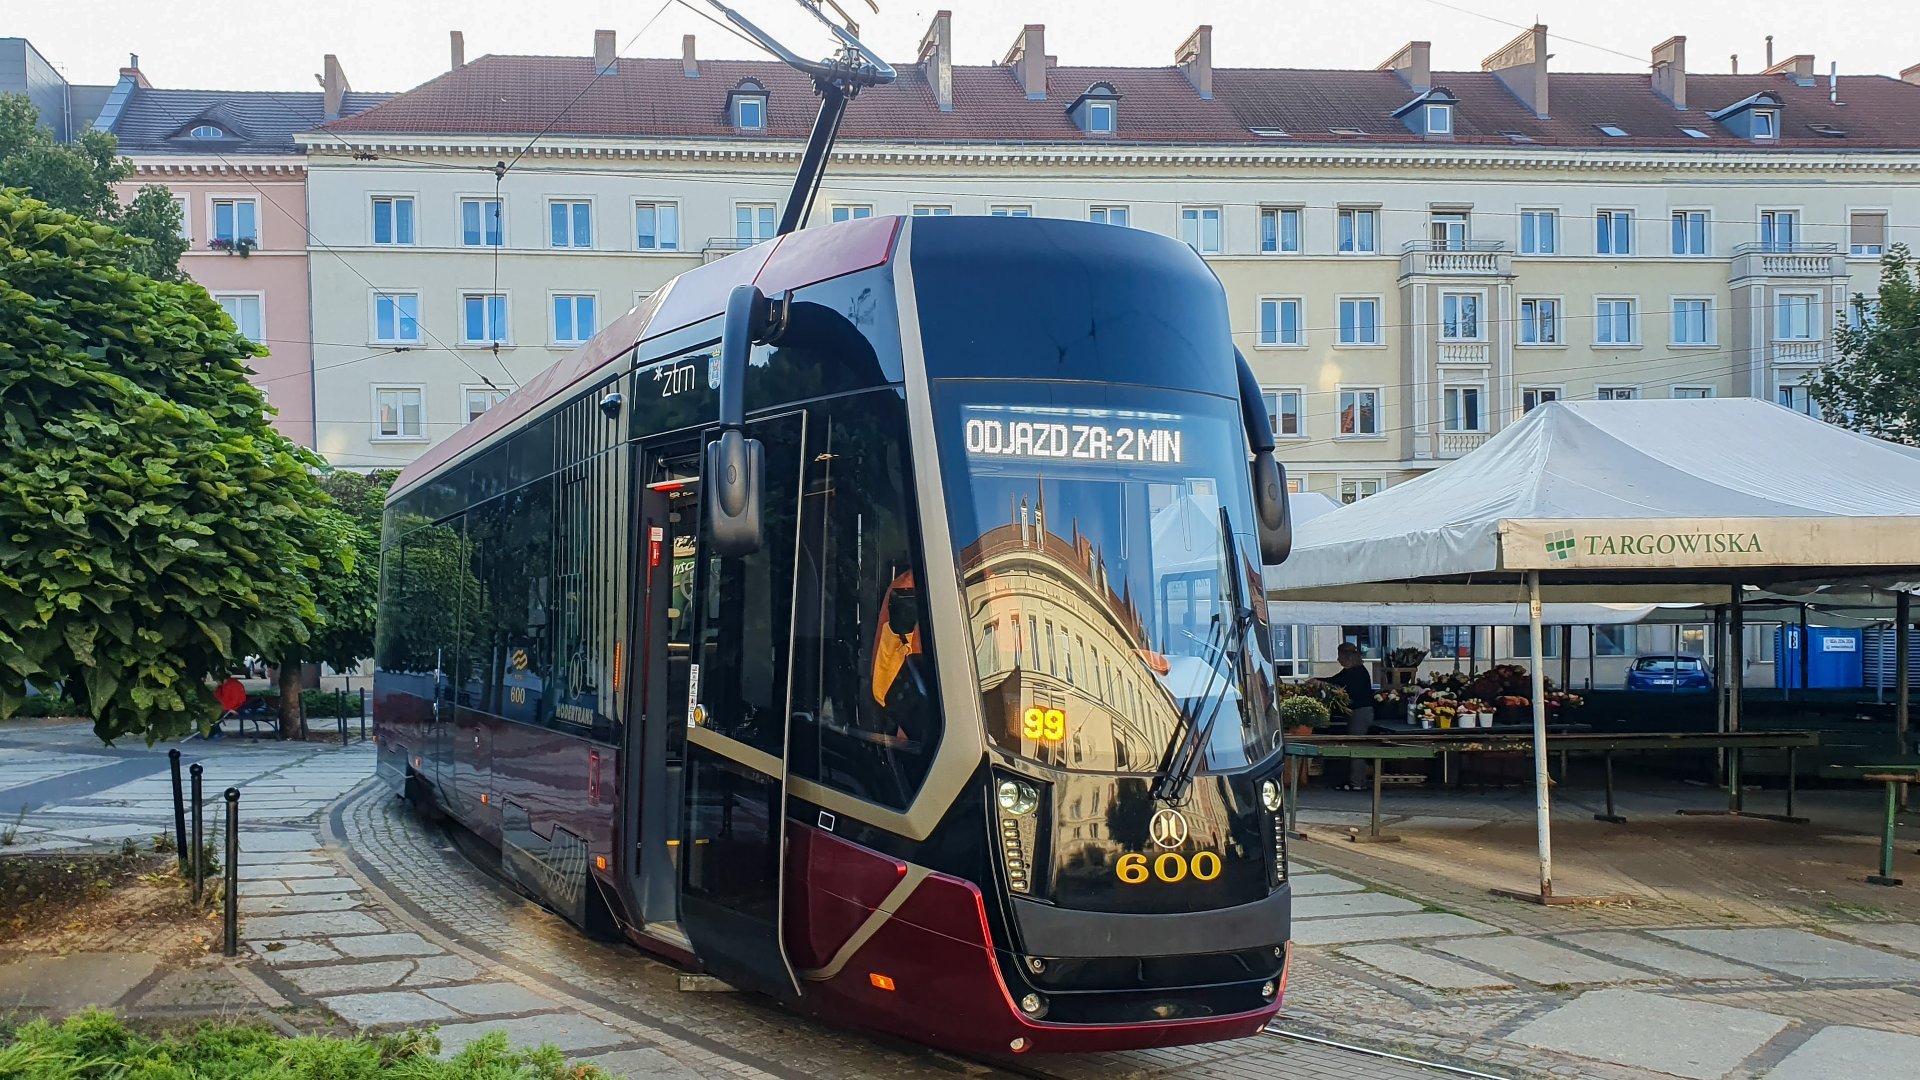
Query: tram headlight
pixel 1034 1005
pixel 1018 797
pixel 1270 796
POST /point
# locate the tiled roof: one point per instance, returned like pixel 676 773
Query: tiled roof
pixel 523 95
pixel 156 121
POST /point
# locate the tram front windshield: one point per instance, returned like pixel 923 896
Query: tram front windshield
pixel 1096 526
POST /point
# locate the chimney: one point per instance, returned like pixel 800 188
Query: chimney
pixel 1194 58
pixel 1911 75
pixel 936 56
pixel 1670 70
pixel 1798 68
pixel 1028 59
pixel 689 63
pixel 1414 64
pixel 1769 50
pixel 603 46
pixel 459 42
pixel 132 71
pixel 335 84
pixel 1521 66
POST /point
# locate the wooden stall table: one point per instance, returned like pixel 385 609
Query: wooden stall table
pixel 1347 748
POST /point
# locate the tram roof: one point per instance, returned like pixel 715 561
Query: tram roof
pixel 787 262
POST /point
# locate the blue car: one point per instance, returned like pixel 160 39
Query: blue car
pixel 1668 672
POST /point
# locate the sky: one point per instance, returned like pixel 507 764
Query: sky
pixel 398 44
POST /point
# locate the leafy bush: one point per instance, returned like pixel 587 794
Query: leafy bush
pixel 1303 711
pixel 49 705
pixel 98 1044
pixel 317 704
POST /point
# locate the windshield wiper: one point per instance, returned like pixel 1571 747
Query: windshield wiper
pixel 1182 758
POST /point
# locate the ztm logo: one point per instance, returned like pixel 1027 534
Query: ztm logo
pixel 1560 544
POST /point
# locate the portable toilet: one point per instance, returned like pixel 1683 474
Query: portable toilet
pixel 1833 658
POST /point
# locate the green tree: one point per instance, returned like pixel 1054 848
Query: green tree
pixel 79 177
pixel 1873 383
pixel 155 525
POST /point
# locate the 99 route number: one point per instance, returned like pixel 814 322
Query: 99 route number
pixel 1168 866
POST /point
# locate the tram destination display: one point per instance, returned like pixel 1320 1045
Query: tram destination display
pixel 1093 436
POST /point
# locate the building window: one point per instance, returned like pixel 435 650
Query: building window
pixel 1549 642
pixel 1692 392
pixel 1693 322
pixel 1616 393
pixel 1451 642
pixel 392 219
pixel 1200 228
pixel 186 223
pixel 1613 640
pixel 236 219
pixel 656 226
pixel 206 131
pixel 1291 649
pixel 933 211
pixel 1280 230
pixel 396 318
pixel 851 213
pixel 483 318
pixel 482 398
pixel 750 110
pixel 1540 321
pixel 1359 412
pixel 571 223
pixel 1357 231
pixel 1100 117
pixel 1352 491
pixel 1439 119
pixel 480 223
pixel 1539 232
pixel 1613 232
pixel 1280 322
pixel 1615 323
pixel 1794 317
pixel 1689 232
pixel 1009 211
pixel 1862 312
pixel 1283 411
pixel 1359 321
pixel 1460 316
pixel 1766 124
pixel 1778 228
pixel 397 412
pixel 1107 215
pixel 1796 396
pixel 1462 406
pixel 1868 232
pixel 1532 397
pixel 753 221
pixel 244 310
pixel 573 318
pixel 1448 230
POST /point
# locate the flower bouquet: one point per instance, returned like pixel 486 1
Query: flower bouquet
pixel 1302 715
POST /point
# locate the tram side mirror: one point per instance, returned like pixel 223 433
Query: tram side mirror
pixel 1270 509
pixel 736 465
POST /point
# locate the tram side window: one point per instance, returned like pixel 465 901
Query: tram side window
pixel 510 540
pixel 866 706
pixel 428 578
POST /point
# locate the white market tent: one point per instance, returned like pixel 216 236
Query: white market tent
pixel 1626 502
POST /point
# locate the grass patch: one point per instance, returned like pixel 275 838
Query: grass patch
pixel 99 1044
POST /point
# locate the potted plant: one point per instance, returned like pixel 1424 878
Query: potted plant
pixel 1513 709
pixel 1302 715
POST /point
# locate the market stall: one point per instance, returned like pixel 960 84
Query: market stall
pixel 1685 501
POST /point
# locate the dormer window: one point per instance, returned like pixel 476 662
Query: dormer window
pixel 1430 114
pixel 1755 118
pixel 1439 119
pixel 747 106
pixel 1766 124
pixel 1096 112
pixel 206 131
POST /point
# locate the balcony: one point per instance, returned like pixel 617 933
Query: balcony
pixel 1788 261
pixel 1453 444
pixel 719 247
pixel 1800 352
pixel 1463 354
pixel 1452 258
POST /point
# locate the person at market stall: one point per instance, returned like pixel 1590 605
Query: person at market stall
pixel 1353 678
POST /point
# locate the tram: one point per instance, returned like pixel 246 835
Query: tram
pixel 872 619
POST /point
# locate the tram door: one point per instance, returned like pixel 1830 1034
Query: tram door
pixel 735 801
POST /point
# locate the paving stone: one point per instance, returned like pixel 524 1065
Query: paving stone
pixel 1692 1039
pixel 322 885
pixel 1426 924
pixel 292 952
pixel 334 978
pixel 1799 953
pixel 279 858
pixel 388 1007
pixel 257 872
pixel 1852 1052
pixel 316 924
pixel 1416 965
pixel 1902 936
pixel 1660 956
pixel 1361 903
pixel 491 999
pixel 279 841
pixel 643 1064
pixel 567 1030
pixel 386 945
pixel 1538 961
pixel 1319 884
pixel 263 888
pixel 438 969
pixel 74 981
pixel 281 905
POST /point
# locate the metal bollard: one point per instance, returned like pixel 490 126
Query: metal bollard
pixel 199 838
pixel 340 713
pixel 232 905
pixel 363 714
pixel 179 811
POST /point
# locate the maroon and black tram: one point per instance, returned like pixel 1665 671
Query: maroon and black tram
pixel 871 618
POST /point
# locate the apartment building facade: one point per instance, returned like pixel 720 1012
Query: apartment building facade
pixel 1413 258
